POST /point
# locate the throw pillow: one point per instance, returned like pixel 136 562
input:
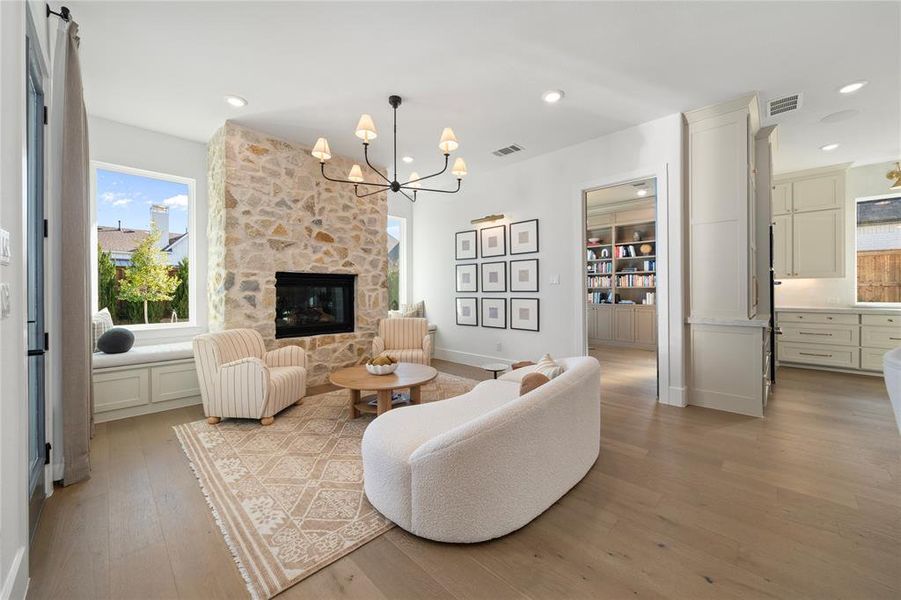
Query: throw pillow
pixel 548 367
pixel 531 381
pixel 413 311
pixel 116 340
pixel 520 364
pixel 100 323
pixel 395 314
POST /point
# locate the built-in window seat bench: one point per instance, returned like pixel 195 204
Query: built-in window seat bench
pixel 146 379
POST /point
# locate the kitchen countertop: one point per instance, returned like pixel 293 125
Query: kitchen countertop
pixel 866 310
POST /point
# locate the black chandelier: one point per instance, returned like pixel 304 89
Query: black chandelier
pixel 366 131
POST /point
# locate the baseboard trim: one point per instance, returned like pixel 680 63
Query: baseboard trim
pixel 468 358
pixel 677 396
pixel 15 582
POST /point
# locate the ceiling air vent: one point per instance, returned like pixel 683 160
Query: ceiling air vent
pixel 785 104
pixel 508 150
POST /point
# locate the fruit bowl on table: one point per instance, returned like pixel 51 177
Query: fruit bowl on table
pixel 381 369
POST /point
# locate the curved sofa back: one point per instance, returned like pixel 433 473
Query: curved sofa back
pixel 495 473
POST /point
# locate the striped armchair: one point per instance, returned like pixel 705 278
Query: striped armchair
pixel 239 378
pixel 404 340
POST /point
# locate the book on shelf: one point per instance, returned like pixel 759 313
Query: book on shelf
pixel 636 281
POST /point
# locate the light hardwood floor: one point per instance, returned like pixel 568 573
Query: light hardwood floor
pixel 682 503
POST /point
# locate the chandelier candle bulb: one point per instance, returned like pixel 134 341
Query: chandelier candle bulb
pixel 459 169
pixel 356 174
pixel 448 141
pixel 321 150
pixel 412 181
pixel 366 129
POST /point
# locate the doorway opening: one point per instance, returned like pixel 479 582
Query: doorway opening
pixel 620 265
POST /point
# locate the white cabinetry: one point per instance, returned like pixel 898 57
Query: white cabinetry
pixel 729 179
pixel 852 339
pixel 809 224
pixel 130 390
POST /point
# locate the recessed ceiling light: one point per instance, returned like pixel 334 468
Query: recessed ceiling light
pixel 407 159
pixel 236 101
pixel 552 96
pixel 852 87
pixel 828 147
pixel 642 192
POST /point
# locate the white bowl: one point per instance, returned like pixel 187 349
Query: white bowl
pixel 381 369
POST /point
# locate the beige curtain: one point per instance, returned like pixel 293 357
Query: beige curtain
pixel 73 189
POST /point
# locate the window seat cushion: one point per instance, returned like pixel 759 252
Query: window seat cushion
pixel 140 355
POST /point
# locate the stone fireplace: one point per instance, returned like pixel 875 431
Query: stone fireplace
pixel 272 213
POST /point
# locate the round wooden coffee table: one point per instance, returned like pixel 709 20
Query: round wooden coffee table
pixel 407 376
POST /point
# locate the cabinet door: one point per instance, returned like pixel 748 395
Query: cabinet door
pixel 624 324
pixel 646 326
pixel 604 322
pixel 817 193
pixel 782 198
pixel 817 244
pixel 782 246
pixel 591 321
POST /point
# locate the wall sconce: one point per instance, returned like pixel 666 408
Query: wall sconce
pixel 895 177
pixel 487 219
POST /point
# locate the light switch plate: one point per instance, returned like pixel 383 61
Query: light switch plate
pixel 555 280
pixel 4 247
pixel 4 301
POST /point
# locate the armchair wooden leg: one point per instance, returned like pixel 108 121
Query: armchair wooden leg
pixel 267 420
pixel 213 420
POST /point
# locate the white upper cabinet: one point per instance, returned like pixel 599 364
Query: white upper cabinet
pixel 818 244
pixel 809 224
pixel 782 198
pixel 817 193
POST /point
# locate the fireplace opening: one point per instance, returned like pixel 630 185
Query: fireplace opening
pixel 313 304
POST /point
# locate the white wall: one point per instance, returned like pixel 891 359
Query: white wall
pixel 13 416
pixel 868 180
pixel 129 146
pixel 548 187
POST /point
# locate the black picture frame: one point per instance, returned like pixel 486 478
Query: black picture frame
pixel 534 302
pixel 487 303
pixel 475 285
pixel 522 224
pixel 513 287
pixel 502 229
pixel 475 245
pixel 502 279
pixel 475 311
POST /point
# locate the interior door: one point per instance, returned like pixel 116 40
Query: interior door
pixel 37 448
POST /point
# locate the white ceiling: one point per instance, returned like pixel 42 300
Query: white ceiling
pixel 310 69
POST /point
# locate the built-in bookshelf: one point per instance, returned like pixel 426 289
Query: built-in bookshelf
pixel 621 263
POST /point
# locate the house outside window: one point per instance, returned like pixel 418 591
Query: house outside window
pixel 397 262
pixel 143 250
pixel 878 246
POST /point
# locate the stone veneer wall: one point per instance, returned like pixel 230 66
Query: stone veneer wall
pixel 271 210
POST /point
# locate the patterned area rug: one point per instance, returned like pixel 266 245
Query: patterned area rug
pixel 289 497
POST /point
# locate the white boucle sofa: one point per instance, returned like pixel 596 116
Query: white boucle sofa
pixel 478 466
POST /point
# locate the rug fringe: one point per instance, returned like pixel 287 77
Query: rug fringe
pixel 232 548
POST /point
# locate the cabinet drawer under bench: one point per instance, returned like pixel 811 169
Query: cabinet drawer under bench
pixel 817 317
pixel 841 357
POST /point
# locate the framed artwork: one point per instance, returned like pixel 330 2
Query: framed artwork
pixel 494 313
pixel 467 312
pixel 524 237
pixel 524 275
pixel 494 241
pixel 524 314
pixel 468 278
pixel 494 276
pixel 466 245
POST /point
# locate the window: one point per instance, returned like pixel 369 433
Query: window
pixel 397 262
pixel 144 250
pixel 879 250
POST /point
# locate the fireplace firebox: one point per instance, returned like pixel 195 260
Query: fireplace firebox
pixel 313 304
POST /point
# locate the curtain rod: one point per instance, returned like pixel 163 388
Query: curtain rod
pixel 63 13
